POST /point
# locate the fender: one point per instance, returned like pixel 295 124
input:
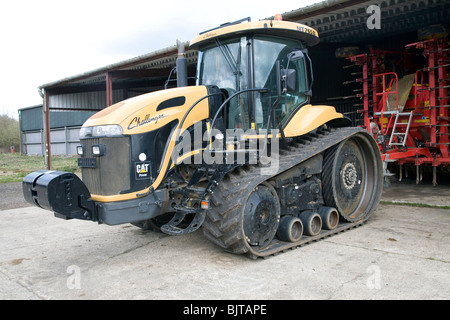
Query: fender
pixel 310 117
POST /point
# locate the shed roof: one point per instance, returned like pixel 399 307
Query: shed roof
pixel 335 20
pixel 149 65
pixel 346 20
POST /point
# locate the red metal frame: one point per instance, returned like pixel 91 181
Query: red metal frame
pixel 427 141
pixel 380 104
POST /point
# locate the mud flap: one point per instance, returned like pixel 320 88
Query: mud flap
pixel 61 192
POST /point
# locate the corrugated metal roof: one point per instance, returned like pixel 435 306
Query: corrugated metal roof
pixel 346 20
pixel 335 20
pixel 164 58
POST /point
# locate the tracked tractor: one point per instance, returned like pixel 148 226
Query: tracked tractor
pixel 242 154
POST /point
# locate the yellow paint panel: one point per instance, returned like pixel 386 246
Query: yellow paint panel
pixel 308 118
pixel 281 28
pixel 423 120
pixel 141 115
pixel 185 156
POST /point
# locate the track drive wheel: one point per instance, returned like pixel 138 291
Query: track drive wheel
pixel 261 216
pixel 352 178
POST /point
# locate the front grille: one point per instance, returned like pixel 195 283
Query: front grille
pixel 111 174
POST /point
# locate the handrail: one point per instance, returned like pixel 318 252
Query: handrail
pixel 385 93
pixel 190 109
pixel 261 90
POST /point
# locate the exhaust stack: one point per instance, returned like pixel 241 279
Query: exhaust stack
pixel 182 74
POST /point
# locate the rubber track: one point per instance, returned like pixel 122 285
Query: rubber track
pixel 223 223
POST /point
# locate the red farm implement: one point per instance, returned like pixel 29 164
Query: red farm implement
pixel 406 105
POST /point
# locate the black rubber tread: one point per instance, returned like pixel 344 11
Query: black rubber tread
pixel 327 177
pixel 223 222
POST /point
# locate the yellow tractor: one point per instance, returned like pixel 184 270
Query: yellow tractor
pixel 243 154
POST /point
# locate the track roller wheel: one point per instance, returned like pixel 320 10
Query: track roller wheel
pixel 312 223
pixel 330 217
pixel 290 229
pixel 352 178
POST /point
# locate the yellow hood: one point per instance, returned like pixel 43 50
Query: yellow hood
pixel 153 110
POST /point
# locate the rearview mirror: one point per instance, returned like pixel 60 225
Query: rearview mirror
pixel 289 79
pixel 296 55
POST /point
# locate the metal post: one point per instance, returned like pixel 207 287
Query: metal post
pixel 109 93
pixel 365 75
pixel 21 134
pixel 181 63
pixel 432 88
pixel 443 100
pixel 66 142
pixel 47 142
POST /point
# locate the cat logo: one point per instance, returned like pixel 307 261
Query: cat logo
pixel 142 170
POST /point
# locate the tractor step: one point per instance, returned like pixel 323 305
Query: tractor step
pixel 173 226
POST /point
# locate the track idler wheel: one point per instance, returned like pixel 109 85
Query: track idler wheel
pixel 290 229
pixel 312 223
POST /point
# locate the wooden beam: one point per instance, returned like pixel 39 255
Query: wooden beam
pixel 109 91
pixel 137 74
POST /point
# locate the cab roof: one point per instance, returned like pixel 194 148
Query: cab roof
pixel 285 29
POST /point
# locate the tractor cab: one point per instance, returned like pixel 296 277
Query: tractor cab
pixel 269 76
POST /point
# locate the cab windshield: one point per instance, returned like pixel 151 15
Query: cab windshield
pixel 226 65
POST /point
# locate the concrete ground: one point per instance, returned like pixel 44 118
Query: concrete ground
pixel 402 252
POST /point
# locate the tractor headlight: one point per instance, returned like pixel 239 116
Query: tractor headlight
pixel 80 150
pixel 111 130
pixel 98 150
